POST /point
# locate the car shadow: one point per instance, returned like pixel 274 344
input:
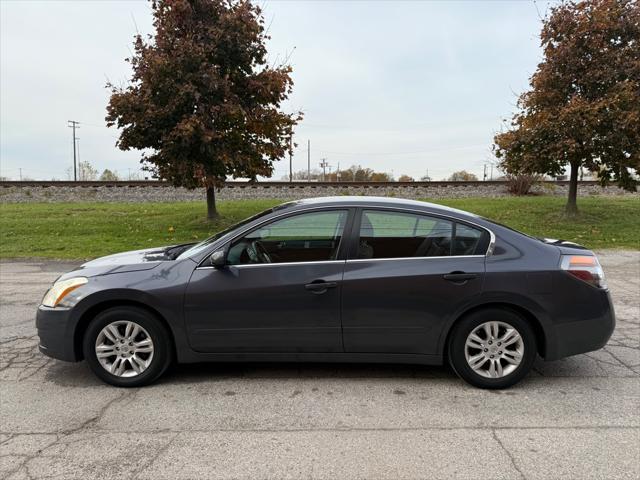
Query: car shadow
pixel 203 372
pixel 79 375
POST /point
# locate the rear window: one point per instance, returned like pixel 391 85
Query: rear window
pixel 389 234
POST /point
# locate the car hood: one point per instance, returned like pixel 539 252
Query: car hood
pixel 133 261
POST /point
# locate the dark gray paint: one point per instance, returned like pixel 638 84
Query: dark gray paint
pixel 264 308
pixel 400 306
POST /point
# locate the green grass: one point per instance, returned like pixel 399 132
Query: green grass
pixel 87 230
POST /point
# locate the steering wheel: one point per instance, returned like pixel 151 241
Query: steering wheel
pixel 258 253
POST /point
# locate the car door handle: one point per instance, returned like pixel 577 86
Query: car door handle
pixel 320 287
pixel 459 277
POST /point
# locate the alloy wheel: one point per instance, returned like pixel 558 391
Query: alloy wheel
pixel 494 349
pixel 124 348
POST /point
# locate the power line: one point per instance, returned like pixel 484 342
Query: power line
pixel 417 152
pixel 397 128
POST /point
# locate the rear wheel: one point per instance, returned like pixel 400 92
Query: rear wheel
pixel 492 348
pixel 127 347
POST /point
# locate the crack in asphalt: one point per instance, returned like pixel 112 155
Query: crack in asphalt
pixel 155 457
pixel 9 437
pixel 22 355
pixel 96 418
pixel 64 434
pixel 14 338
pixel 511 457
pixel 26 458
pixel 23 466
pixel 618 358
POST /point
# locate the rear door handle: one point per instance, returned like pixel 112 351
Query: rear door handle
pixel 459 277
pixel 320 286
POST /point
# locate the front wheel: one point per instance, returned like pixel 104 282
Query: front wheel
pixel 127 347
pixel 492 348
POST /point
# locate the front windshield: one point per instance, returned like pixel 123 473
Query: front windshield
pixel 198 247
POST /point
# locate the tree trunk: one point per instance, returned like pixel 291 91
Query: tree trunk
pixel 212 213
pixel 572 205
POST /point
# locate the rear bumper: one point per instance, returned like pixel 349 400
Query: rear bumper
pixel 56 333
pixel 572 338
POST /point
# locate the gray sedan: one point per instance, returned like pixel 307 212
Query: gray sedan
pixel 345 279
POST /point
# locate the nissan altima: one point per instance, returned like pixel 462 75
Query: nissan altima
pixel 346 279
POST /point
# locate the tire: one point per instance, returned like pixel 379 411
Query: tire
pixel 127 361
pixel 495 364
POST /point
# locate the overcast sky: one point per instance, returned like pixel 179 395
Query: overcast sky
pixel 402 87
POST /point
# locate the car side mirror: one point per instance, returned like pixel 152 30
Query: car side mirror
pixel 218 259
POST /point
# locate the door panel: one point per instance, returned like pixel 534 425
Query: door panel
pixel 403 281
pixel 280 291
pixel 265 308
pixel 401 305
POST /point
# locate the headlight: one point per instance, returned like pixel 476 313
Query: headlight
pixel 60 289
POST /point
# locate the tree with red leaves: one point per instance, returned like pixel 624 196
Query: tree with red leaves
pixel 203 102
pixel 583 108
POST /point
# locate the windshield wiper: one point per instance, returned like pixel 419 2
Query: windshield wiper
pixel 174 252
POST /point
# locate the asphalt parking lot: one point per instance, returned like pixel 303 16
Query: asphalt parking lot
pixel 576 418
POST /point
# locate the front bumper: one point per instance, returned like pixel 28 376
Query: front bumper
pixel 56 332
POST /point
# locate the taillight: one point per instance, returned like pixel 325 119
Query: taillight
pixel 586 268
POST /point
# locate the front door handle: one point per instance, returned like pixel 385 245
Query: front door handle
pixel 320 286
pixel 459 277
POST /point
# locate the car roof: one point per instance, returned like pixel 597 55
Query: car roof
pixel 365 201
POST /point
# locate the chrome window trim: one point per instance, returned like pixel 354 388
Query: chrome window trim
pixel 492 243
pixel 360 260
pixel 282 264
pixel 492 237
pixel 336 262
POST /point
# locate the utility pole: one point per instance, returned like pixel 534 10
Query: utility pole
pixel 291 158
pixel 491 176
pixel 324 165
pixel 308 160
pixel 73 125
pixel 484 175
pixel 20 174
pixel 80 173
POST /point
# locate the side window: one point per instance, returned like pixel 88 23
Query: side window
pixel 399 235
pixel 308 237
pixel 466 240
